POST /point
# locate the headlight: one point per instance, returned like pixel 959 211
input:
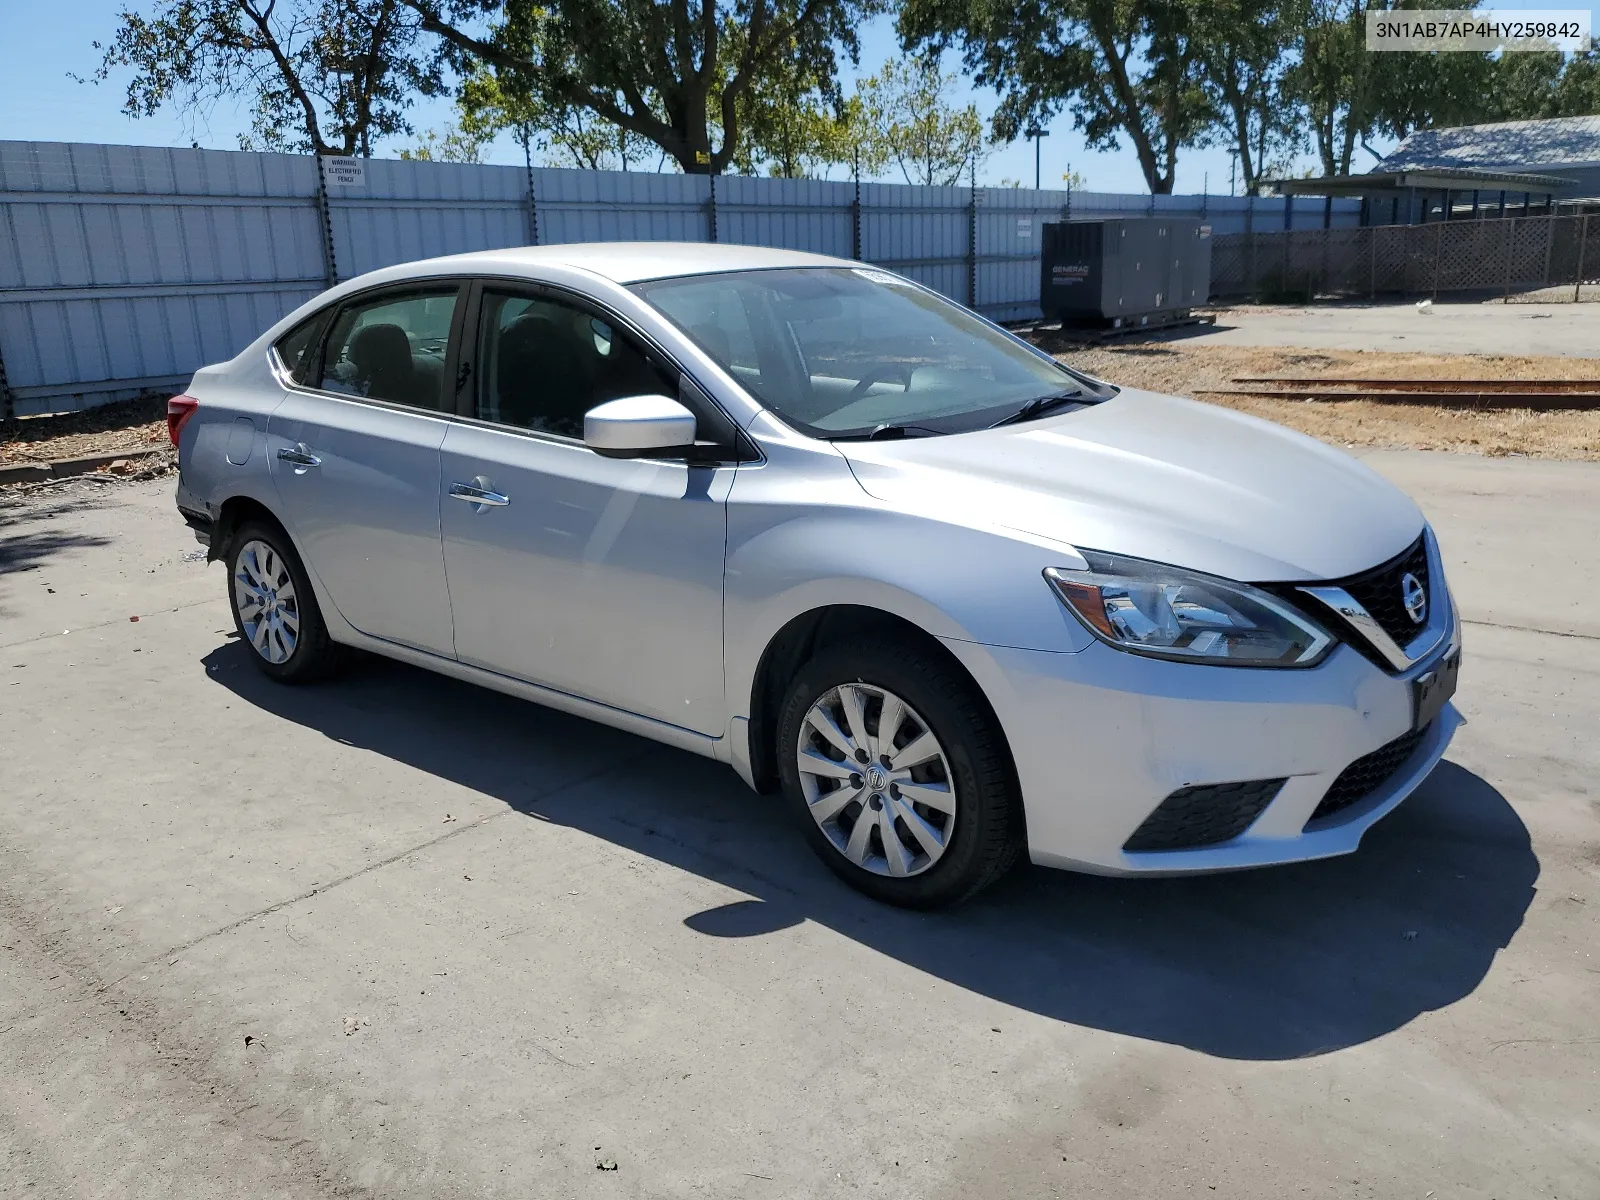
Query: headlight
pixel 1167 612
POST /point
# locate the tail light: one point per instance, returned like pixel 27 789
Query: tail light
pixel 179 410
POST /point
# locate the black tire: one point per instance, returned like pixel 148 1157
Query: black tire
pixel 988 830
pixel 315 655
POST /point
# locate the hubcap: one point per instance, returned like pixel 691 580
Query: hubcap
pixel 876 780
pixel 263 593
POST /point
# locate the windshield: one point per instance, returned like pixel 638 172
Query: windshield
pixel 846 351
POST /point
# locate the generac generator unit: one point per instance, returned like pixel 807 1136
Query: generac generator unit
pixel 1124 270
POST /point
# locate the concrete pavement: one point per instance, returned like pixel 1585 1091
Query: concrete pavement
pixel 395 936
pixel 1563 330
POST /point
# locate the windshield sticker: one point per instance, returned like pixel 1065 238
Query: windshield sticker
pixel 879 277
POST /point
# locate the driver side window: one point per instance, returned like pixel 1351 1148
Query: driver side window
pixel 542 363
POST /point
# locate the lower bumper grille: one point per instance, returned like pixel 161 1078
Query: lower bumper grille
pixel 1203 815
pixel 1369 773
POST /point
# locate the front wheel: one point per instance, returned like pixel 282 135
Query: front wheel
pixel 897 773
pixel 274 609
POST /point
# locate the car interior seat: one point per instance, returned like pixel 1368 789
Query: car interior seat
pixel 381 356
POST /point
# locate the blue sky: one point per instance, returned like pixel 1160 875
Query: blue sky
pixel 39 101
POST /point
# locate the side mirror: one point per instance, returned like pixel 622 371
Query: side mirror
pixel 639 427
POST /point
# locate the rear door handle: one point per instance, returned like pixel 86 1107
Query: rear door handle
pixel 479 494
pixel 299 456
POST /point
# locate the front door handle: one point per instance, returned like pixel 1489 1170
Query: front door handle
pixel 479 494
pixel 299 456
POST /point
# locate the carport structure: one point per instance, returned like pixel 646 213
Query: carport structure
pixel 1439 193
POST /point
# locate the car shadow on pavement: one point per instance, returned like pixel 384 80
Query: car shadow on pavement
pixel 1272 964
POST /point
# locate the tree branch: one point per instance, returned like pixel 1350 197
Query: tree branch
pixel 286 69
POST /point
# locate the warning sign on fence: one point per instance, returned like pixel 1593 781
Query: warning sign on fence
pixel 344 172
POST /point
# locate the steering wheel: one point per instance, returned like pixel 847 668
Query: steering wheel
pixel 897 371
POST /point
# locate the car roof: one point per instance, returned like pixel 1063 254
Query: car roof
pixel 631 262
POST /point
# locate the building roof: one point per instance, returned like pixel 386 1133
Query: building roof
pixel 1508 145
pixel 1438 179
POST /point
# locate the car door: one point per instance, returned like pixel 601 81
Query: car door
pixel 595 576
pixel 354 453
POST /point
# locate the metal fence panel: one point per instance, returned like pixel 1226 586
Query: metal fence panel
pixel 621 206
pixel 924 233
pixel 796 214
pixel 410 210
pixel 124 268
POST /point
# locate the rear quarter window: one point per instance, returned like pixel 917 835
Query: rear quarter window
pixel 295 347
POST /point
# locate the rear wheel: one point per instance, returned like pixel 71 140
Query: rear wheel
pixel 274 609
pixel 897 774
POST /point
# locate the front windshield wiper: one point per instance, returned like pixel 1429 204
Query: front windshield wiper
pixel 1039 405
pixel 886 433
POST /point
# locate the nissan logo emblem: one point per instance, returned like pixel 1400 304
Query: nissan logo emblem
pixel 1415 597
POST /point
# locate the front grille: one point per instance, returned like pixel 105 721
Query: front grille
pixel 1203 815
pixel 1379 592
pixel 1369 773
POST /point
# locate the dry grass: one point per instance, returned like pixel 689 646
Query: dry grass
pixel 130 425
pixel 1186 368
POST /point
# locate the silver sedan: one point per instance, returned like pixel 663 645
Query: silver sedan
pixel 955 601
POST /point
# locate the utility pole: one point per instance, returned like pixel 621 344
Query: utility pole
pixel 1038 135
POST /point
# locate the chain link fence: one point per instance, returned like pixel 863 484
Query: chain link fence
pixel 1487 257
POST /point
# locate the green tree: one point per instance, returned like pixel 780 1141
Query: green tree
pixel 906 118
pixel 1577 92
pixel 1531 86
pixel 1349 94
pixel 665 70
pixel 453 145
pixel 490 101
pixel 327 76
pixel 1124 68
pixel 1245 50
pixel 794 121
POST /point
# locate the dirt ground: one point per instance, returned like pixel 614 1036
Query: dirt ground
pixel 1173 366
pixel 1168 366
pixel 131 425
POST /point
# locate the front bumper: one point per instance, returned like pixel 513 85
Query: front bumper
pixel 1101 737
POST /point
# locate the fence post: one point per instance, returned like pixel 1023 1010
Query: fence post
pixel 1438 252
pixel 1577 284
pixel 972 238
pixel 8 401
pixel 855 213
pixel 1372 263
pixel 533 199
pixel 1549 245
pixel 1511 229
pixel 329 263
pixel 1255 270
pixel 711 207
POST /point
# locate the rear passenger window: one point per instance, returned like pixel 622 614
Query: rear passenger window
pixel 393 349
pixel 293 346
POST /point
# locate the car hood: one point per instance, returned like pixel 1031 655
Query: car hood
pixel 1156 477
